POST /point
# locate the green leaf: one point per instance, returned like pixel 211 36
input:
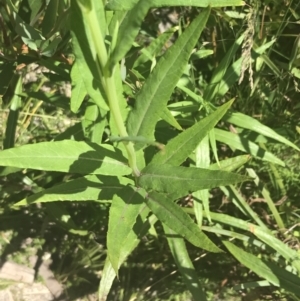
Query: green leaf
pixel 180 147
pixel 252 124
pixel 184 264
pixel 139 230
pixel 126 207
pixel 230 164
pixel 167 116
pixel 60 214
pixel 180 181
pixel 67 156
pixel 202 160
pixel 126 5
pixel 29 9
pixel 252 262
pixel 78 88
pixel 155 47
pixel 107 278
pixel 85 54
pixel 26 31
pixel 217 78
pixel 245 145
pixel 6 75
pixel 92 188
pixel 261 233
pixel 50 17
pixel 180 222
pixel 159 86
pixel 128 31
pixel 15 106
pixel 267 270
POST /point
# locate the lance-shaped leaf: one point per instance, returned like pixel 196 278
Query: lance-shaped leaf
pixel 89 188
pixel 159 86
pixel 126 5
pixel 180 147
pixel 180 181
pixel 180 222
pixel 85 54
pixel 245 145
pixel 78 88
pixel 125 208
pixel 128 31
pixel 267 270
pixel 67 156
pixel 231 164
pixel 184 264
pixel 252 124
pixel 139 229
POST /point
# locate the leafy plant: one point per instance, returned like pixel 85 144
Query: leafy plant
pixel 132 152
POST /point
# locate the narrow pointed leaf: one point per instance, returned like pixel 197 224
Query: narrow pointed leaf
pixel 126 206
pixel 155 47
pixel 85 54
pixel 126 5
pixel 252 262
pixel 202 160
pixel 267 270
pixel 170 119
pixel 180 222
pixel 78 88
pixel 128 31
pixel 107 278
pixel 252 124
pixel 180 181
pixel 159 86
pixel 231 164
pixel 180 147
pixel 67 156
pixel 245 145
pixel 92 188
pixel 184 264
pixel 140 229
pixel 12 120
pixel 219 73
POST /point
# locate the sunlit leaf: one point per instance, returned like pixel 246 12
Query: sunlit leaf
pixel 67 156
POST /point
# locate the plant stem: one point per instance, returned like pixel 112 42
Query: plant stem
pixel 108 83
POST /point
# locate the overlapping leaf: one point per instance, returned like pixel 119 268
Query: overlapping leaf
pixel 180 181
pixel 67 156
pixel 180 147
pixel 159 86
pixel 176 219
pixel 127 205
pixel 129 4
pixel 91 188
pixel 252 124
pixel 245 145
pixel 184 264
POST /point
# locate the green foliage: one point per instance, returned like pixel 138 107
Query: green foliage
pixel 148 150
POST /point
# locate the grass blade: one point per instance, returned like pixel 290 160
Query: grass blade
pixel 184 264
pixel 237 142
pixel 252 124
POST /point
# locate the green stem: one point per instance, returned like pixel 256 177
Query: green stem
pixel 108 82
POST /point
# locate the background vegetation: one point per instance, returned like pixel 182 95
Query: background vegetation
pixel 249 53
